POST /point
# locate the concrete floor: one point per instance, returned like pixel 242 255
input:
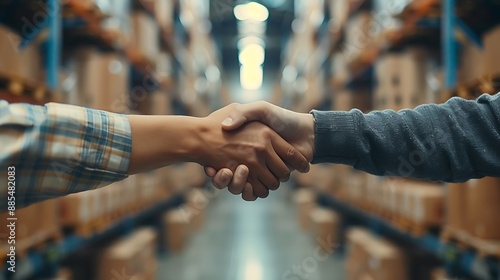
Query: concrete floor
pixel 250 241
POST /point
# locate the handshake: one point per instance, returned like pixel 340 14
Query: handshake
pixel 251 148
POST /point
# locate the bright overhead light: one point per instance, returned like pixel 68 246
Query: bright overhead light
pixel 245 41
pixel 251 11
pixel 253 54
pixel 251 77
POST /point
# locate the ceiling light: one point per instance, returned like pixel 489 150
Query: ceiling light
pixel 251 11
pixel 251 77
pixel 253 54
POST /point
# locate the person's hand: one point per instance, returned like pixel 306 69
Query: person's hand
pixel 266 156
pixel 296 128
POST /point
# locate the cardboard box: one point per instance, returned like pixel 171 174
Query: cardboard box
pixel 326 223
pixel 305 200
pixel 23 63
pixel 472 63
pixel 134 255
pixel 176 223
pixel 386 261
pixel 423 202
pixel 145 35
pixel 342 100
pixel 49 215
pixel 455 205
pixel 483 206
pixel 357 256
pixel 102 80
pixel 77 208
pixel 491 42
pixel 369 257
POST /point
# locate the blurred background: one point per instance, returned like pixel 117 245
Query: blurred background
pixel 191 57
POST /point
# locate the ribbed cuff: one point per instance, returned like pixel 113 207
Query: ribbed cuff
pixel 336 137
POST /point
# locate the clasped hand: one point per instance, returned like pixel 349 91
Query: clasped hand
pixel 252 148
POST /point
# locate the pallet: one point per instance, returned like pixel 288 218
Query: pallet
pixel 464 240
pixel 35 242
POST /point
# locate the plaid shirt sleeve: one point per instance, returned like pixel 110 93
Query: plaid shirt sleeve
pixel 60 149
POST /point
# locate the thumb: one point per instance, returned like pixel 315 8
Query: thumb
pixel 246 113
pixel 234 121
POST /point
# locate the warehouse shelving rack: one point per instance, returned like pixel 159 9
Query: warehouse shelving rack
pixel 458 262
pixel 45 263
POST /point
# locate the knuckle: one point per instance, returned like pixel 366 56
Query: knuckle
pixel 291 152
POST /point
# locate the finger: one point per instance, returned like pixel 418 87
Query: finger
pixel 259 188
pixel 222 178
pixel 291 156
pixel 246 113
pixel 276 165
pixel 239 179
pixel 268 179
pixel 248 194
pixel 210 171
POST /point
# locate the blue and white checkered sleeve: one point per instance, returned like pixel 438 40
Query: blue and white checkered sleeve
pixel 60 149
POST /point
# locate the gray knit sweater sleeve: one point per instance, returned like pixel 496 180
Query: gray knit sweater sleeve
pixel 453 142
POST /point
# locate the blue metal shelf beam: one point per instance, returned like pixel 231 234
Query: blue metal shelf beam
pixel 54 43
pixel 449 45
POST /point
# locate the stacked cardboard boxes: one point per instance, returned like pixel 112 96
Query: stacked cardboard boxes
pixel 102 81
pixel 402 80
pixel 471 208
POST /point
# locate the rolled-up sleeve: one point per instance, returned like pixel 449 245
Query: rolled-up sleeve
pixel 60 149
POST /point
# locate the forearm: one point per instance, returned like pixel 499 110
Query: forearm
pixel 455 141
pixel 159 141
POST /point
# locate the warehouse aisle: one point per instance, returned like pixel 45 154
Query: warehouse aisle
pixel 250 241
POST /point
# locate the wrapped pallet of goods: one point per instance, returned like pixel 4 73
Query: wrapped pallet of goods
pixel 134 255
